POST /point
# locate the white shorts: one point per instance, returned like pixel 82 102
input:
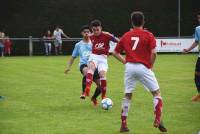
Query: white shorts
pixel 57 43
pixel 138 72
pixel 100 62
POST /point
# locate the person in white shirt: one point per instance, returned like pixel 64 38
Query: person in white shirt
pixel 57 34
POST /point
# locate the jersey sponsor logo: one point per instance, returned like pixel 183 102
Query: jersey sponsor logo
pixel 99 46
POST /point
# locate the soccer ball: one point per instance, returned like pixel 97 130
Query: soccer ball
pixel 106 103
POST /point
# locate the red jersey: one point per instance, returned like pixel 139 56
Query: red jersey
pixel 7 43
pixel 138 45
pixel 100 44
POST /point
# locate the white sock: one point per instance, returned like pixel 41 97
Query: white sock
pixel 125 106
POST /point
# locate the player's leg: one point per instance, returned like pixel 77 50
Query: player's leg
pixel 103 80
pixel 49 46
pixel 103 67
pixel 83 70
pixel 60 47
pixel 46 48
pixel 148 79
pixel 130 84
pixel 89 77
pixel 56 47
pixel 9 51
pixel 197 80
pixel 158 105
pixel 97 92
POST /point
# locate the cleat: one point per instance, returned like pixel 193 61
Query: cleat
pixel 87 91
pixel 95 102
pixel 124 129
pixel 82 96
pixel 160 126
pixel 196 97
pixel 103 97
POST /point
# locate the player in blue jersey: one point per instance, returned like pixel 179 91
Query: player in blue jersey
pixel 197 69
pixel 83 50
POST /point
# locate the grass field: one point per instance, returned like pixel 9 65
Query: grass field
pixel 40 99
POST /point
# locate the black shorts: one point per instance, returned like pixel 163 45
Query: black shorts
pixel 96 74
pixel 197 69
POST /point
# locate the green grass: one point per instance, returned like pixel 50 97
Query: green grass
pixel 40 99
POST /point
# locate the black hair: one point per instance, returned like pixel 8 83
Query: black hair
pixel 84 27
pixel 137 18
pixel 95 23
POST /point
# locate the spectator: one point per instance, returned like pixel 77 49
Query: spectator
pixel 58 33
pixel 7 45
pixel 1 44
pixel 47 42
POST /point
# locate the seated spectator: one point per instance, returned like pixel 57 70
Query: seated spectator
pixel 47 42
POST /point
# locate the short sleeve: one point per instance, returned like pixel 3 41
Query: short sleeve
pixel 75 52
pixel 119 48
pixel 196 35
pixel 61 31
pixel 152 41
pixel 54 33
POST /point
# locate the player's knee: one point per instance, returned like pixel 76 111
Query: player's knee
pixel 102 74
pixel 197 74
pixel 156 93
pixel 128 96
pixel 92 65
pixel 85 70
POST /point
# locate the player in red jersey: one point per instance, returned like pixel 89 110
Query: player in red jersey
pixel 140 48
pixel 98 58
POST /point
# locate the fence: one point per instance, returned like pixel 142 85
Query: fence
pixel 35 46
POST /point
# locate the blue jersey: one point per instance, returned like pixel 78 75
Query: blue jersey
pixel 197 36
pixel 83 50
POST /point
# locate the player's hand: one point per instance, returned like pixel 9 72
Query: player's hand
pixel 185 51
pixel 67 71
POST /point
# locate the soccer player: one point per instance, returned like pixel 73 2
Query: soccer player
pixel 58 33
pixel 197 69
pixel 98 58
pixel 83 49
pixel 140 48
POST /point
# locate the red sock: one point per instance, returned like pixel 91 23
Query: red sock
pixel 124 123
pixel 89 79
pixel 158 104
pixel 103 88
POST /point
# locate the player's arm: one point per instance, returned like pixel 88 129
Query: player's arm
pixel 153 56
pixel 69 64
pixel 119 57
pixel 194 44
pixel 75 53
pixel 64 34
pixel 116 53
pixel 113 38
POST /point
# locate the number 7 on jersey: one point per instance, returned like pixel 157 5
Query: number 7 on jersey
pixel 135 42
